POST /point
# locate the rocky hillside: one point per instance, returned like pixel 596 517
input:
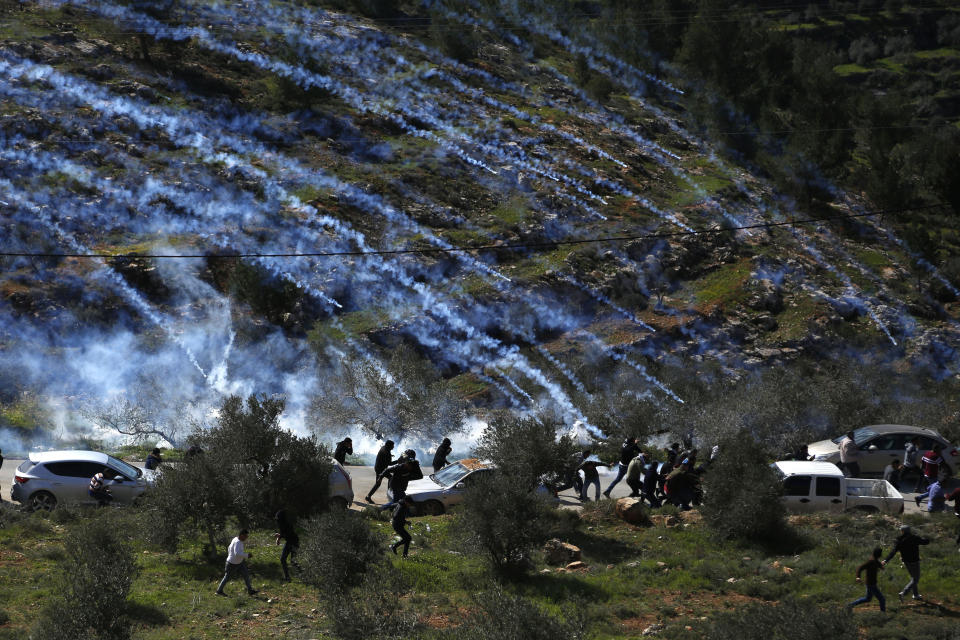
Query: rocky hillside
pixel 318 173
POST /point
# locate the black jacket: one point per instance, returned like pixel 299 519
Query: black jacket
pixel 152 462
pixel 384 458
pixel 344 449
pixel 909 547
pixel 402 473
pixel 628 451
pixel 286 530
pixel 440 457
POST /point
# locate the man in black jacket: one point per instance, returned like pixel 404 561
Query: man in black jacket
pixel 908 544
pixel 628 451
pixel 400 474
pixel 384 460
pixel 440 457
pixel 344 449
pixel 291 541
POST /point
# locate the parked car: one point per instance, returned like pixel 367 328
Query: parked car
pixel 881 443
pixel 821 486
pixel 341 486
pixel 49 478
pixel 439 491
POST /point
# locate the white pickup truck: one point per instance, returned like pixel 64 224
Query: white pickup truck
pixel 820 486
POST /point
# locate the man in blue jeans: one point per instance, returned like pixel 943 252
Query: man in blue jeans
pixel 628 451
pixel 871 567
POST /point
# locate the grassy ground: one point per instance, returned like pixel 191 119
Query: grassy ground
pixel 678 576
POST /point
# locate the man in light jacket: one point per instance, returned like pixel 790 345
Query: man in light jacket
pixel 849 457
pixel 237 563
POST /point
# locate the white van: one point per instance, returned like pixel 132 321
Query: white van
pixel 821 486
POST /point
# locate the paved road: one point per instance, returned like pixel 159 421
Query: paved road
pixel 363 478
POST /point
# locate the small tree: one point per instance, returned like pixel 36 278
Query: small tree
pixel 742 493
pixel 250 467
pixel 403 397
pixel 508 617
pixel 92 593
pixel 528 449
pixel 338 549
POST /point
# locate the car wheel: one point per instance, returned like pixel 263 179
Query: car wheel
pixel 42 500
pixel 432 508
pixel 338 503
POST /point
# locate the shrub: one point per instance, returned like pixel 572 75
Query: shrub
pixel 503 518
pixel 337 550
pixel 526 448
pixel 742 492
pixel 374 610
pixel 92 592
pixel 794 619
pixel 509 617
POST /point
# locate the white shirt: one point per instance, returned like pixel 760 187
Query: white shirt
pixel 236 554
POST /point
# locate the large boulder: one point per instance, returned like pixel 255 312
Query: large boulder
pixel 560 553
pixel 632 510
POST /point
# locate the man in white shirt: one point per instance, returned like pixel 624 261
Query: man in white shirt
pixel 850 457
pixel 237 563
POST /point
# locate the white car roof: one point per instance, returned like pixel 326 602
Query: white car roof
pixel 804 468
pixel 40 457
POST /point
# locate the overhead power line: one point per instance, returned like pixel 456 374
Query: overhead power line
pixel 468 249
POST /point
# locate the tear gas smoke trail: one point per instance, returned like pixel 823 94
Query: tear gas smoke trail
pixel 26 203
pixel 564 370
pixel 507 393
pixel 516 387
pixel 432 304
pixel 604 299
pixel 619 357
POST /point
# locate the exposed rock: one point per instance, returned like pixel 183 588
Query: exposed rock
pixel 652 630
pixel 664 521
pixel 557 552
pixel 766 323
pixel 577 566
pixel 631 510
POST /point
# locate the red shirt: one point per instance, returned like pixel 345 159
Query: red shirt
pixel 931 464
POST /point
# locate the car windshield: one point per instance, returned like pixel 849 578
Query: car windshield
pixel 126 469
pixel 449 476
pixel 860 435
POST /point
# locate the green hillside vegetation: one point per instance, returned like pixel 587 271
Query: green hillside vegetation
pixel 674 573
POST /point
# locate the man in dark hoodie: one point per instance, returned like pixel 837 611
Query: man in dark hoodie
pixel 344 449
pixel 628 451
pixel 908 544
pixel 384 460
pixel 401 474
pixel 399 521
pixel 440 457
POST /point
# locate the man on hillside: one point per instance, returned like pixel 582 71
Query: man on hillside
pixel 153 460
pixel 628 451
pixel 344 449
pixel 634 475
pixel 440 457
pixel 911 462
pixel 871 567
pixel 384 460
pixel 237 563
pixel 908 544
pixel 934 495
pixel 590 477
pixel 399 522
pixel 401 474
pixel 850 456
pixel 287 533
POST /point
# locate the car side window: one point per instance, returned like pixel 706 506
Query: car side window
pixel 828 486
pixel 796 486
pixel 925 443
pixel 74 469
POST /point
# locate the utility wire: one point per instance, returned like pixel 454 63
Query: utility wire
pixel 467 249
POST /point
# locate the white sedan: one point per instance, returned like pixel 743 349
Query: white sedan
pixel 439 491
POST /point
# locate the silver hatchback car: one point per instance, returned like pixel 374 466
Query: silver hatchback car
pixel 55 477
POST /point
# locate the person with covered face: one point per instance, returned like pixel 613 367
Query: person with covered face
pixel 153 460
pixel 590 477
pixel 440 457
pixel 401 474
pixel 399 522
pixel 628 451
pixel 384 460
pixel 344 449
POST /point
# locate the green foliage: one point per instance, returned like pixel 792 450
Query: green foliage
pixel 528 448
pixel 271 297
pixel 504 519
pixel 250 468
pixel 792 619
pixel 338 549
pixel 742 493
pixel 376 610
pixel 453 39
pixel 92 593
pixel 501 615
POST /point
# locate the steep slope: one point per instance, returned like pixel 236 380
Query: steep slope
pixel 267 129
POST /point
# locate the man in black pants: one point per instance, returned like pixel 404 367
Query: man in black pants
pixel 400 514
pixel 401 474
pixel 384 459
pixel 291 541
pixel 908 544
pixel 628 451
pixel 440 457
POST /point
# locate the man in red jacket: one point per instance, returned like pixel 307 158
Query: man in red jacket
pixel 932 461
